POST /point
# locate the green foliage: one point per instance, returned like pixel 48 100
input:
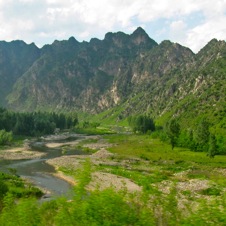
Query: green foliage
pixel 136 145
pixel 202 135
pixel 141 124
pixel 3 189
pixel 212 191
pixel 185 139
pixel 17 188
pixel 221 144
pixel 212 146
pixel 25 212
pixel 173 131
pixel 92 128
pixel 112 208
pixel 36 123
pixel 208 213
pixel 5 137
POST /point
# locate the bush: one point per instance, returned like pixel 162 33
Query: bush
pixel 5 137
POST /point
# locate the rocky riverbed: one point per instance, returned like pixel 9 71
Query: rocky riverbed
pixel 101 161
pixel 20 153
pixel 99 179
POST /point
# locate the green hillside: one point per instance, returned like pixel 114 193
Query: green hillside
pixel 116 77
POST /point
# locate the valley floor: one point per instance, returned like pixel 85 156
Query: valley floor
pixel 138 163
pixel 174 181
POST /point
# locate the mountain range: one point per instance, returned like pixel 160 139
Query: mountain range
pixel 116 77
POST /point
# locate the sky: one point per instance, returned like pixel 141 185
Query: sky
pixel 191 23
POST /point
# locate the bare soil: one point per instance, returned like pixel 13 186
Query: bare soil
pixel 19 154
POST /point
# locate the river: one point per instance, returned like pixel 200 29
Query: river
pixel 38 172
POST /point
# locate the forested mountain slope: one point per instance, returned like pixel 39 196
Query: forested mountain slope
pixel 121 75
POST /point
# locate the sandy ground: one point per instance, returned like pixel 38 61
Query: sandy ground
pixel 57 145
pixel 19 153
pixel 102 156
pixel 69 179
pixel 100 180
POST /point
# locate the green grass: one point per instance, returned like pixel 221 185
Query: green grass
pixel 94 131
pixel 18 188
pixel 144 147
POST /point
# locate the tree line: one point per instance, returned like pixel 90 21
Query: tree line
pixel 198 139
pixel 35 123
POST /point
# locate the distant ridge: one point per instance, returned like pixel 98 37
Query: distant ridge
pixel 122 74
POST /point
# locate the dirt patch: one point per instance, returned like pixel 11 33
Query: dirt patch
pixel 70 161
pixel 69 179
pixel 20 153
pixel 193 185
pixel 57 145
pixel 97 146
pixel 102 181
pixel 102 154
pixel 99 179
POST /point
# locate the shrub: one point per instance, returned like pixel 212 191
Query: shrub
pixel 5 137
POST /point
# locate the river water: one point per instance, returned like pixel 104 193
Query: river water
pixel 39 172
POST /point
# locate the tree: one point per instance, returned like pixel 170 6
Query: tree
pixel 141 123
pixel 212 146
pixel 202 135
pixel 173 131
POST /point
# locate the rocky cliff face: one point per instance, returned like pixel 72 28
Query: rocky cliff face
pixel 131 71
pixel 76 75
pixel 15 59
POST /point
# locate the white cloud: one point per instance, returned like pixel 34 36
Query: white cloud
pixel 200 35
pixel 26 1
pixel 43 21
pixel 178 31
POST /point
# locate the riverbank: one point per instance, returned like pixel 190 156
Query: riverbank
pixel 20 154
pixel 101 156
pixel 70 179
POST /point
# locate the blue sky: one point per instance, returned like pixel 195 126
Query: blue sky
pixel 191 23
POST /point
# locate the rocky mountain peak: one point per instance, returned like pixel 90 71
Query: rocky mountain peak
pixel 213 50
pixel 139 36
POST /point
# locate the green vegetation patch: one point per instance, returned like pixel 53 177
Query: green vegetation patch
pixel 141 178
pixel 214 190
pixel 17 187
pixel 158 151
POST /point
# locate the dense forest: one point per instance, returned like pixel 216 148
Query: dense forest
pixel 41 123
pixel 35 123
